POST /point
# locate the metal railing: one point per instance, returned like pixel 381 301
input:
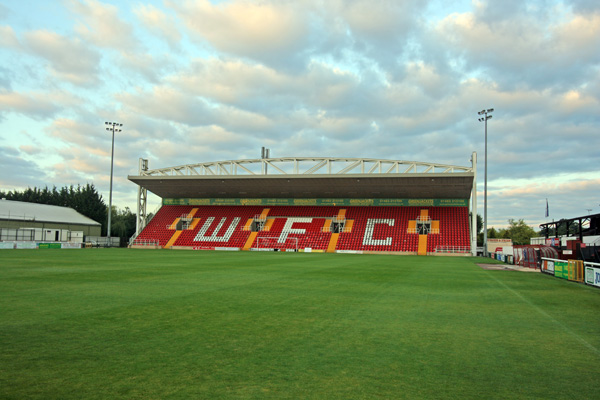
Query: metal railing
pixel 452 249
pixel 144 242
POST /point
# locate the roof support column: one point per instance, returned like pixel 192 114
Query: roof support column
pixel 474 206
pixel 142 216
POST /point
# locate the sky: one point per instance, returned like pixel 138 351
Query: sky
pixel 197 81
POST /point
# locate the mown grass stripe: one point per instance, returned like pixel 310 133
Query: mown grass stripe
pixel 545 314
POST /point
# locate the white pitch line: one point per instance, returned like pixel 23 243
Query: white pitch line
pixel 550 317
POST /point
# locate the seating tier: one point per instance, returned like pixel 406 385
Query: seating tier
pixel 157 228
pixel 373 228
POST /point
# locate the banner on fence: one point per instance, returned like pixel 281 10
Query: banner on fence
pixel 26 245
pixel 548 266
pixel 561 269
pixel 49 246
pixel 576 272
pixel 70 245
pixel 7 245
pixel 592 275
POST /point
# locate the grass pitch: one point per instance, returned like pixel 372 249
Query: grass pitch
pixel 144 324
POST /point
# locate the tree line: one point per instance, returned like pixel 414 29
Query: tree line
pixel 85 200
pixel 518 231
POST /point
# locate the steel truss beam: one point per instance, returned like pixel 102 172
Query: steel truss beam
pixel 306 166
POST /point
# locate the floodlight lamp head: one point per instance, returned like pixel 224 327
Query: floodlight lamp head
pixel 490 110
pixel 481 112
pixel 488 117
pixel 481 119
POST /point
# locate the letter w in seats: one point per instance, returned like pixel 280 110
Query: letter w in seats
pixel 214 237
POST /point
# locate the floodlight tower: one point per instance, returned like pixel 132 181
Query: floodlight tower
pixel 484 119
pixel 114 127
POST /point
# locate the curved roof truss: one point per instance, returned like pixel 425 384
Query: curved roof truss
pixel 306 166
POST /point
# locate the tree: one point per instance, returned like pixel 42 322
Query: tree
pixel 518 231
pixel 479 228
pixel 123 223
pixel 87 201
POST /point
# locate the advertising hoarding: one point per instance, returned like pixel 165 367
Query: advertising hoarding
pixel 319 202
pixel 548 266
pixel 561 269
pixel 592 275
pixel 49 246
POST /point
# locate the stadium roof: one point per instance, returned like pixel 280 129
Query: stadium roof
pixel 33 212
pixel 310 178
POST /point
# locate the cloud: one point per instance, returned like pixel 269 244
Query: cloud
pixel 23 173
pixel 585 6
pixel 164 103
pixel 84 151
pixel 8 37
pixel 160 24
pixel 69 58
pixel 262 89
pixel 272 33
pixel 544 186
pixel 148 66
pixel 378 30
pixel 167 104
pixel 31 150
pixel 35 105
pixel 376 23
pixel 335 109
pixel 579 36
pixel 90 138
pixel 102 25
pixel 522 51
pixel 229 81
pixel 527 198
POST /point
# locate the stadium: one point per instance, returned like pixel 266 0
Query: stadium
pixel 282 322
pixel 311 204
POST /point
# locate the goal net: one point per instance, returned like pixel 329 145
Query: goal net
pixel 272 244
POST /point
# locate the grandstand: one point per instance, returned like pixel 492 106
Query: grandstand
pixel 310 204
